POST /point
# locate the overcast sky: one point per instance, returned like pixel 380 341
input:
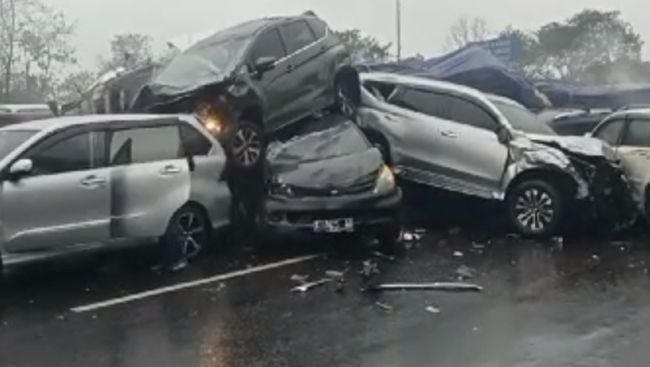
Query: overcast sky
pixel 425 22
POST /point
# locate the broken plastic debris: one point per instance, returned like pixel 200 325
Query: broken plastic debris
pixel 384 307
pixel 308 286
pixel 369 268
pixel 432 309
pixel 478 246
pixel 299 279
pixel 383 256
pixel 458 254
pixel 335 273
pixel 466 272
pixel 437 286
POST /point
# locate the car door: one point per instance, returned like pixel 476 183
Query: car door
pixel 302 68
pixel 272 83
pixel 65 200
pixel 634 153
pixel 149 176
pixel 208 163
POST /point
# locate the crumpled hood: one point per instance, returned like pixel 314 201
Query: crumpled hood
pixel 586 146
pixel 337 172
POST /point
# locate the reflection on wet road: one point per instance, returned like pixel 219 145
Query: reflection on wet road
pixel 580 301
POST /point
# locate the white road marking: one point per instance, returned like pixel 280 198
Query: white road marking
pixel 191 284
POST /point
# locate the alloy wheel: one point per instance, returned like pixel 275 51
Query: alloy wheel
pixel 247 146
pixel 191 234
pixel 534 209
pixel 344 101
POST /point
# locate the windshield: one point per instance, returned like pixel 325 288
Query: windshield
pixel 202 64
pixel 522 119
pixel 10 140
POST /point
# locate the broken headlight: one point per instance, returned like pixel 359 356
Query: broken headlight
pixel 211 118
pixel 385 181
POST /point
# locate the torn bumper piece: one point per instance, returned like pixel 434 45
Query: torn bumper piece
pixel 321 215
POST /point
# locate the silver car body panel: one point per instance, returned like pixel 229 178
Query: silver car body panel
pixel 473 161
pixel 51 215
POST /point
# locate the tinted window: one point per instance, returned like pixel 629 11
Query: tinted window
pixel 269 44
pixel 638 134
pixel 10 140
pixel 297 35
pixel 471 114
pixel 194 143
pixel 432 104
pixel 58 156
pixel 610 132
pixel 522 119
pixel 318 26
pixel 143 145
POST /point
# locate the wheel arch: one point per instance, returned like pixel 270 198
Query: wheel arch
pixel 348 74
pixel 563 181
pixel 377 137
pixel 254 114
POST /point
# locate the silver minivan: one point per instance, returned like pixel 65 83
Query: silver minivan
pixel 85 182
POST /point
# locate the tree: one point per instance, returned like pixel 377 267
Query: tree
pixel 364 48
pixel 569 50
pixel 467 30
pixel 73 86
pixel 130 51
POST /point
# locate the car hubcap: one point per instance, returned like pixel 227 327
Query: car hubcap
pixel 347 107
pixel 534 209
pixel 191 234
pixel 247 146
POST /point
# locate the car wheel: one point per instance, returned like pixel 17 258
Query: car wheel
pixel 187 234
pixel 536 208
pixel 345 102
pixel 247 145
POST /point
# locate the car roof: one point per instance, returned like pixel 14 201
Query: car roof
pixel 56 123
pixel 636 112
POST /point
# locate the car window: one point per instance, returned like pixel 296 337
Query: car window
pixel 469 113
pixel 297 35
pixel 194 143
pixel 318 26
pixel 637 134
pixel 142 145
pixel 11 139
pixel 429 103
pixel 269 44
pixel 56 155
pixel 521 118
pixel 610 132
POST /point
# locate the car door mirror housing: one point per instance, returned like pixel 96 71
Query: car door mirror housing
pixel 264 64
pixel 21 168
pixel 503 135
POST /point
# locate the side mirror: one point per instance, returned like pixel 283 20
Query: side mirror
pixel 503 135
pixel 21 168
pixel 264 64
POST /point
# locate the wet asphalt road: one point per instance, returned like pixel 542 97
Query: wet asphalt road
pixel 583 302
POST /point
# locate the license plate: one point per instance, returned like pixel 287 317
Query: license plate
pixel 342 225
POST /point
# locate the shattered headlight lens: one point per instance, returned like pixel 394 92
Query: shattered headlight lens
pixel 211 118
pixel 385 181
pixel 281 189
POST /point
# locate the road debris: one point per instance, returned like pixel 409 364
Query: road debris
pixel 384 307
pixel 465 272
pixel 437 286
pixel 369 268
pixel 432 309
pixel 308 286
pixel 335 274
pixel 299 279
pixel 383 256
pixel 558 242
pixel 478 246
pixel 458 254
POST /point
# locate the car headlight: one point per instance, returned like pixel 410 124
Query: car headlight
pixel 211 118
pixel 385 181
pixel 280 189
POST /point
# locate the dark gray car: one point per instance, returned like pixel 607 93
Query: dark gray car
pixel 255 78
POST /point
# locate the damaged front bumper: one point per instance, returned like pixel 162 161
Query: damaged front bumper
pixel 362 213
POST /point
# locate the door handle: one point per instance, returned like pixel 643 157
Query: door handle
pixel 92 181
pixel 170 170
pixel 448 134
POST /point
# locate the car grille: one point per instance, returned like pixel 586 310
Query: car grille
pixel 308 217
pixel 365 184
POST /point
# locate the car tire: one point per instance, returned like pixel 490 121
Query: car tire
pixel 536 208
pixel 247 146
pixel 345 102
pixel 187 234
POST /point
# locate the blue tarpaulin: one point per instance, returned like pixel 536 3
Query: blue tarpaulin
pixel 604 96
pixel 474 67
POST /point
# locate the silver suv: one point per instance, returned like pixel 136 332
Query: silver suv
pixel 85 182
pixel 460 139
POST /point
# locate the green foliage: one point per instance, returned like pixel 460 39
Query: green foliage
pixel 130 51
pixel 364 48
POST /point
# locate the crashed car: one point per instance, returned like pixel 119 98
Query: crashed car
pixel 15 113
pixel 329 180
pixel 459 139
pixel 628 131
pixel 255 78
